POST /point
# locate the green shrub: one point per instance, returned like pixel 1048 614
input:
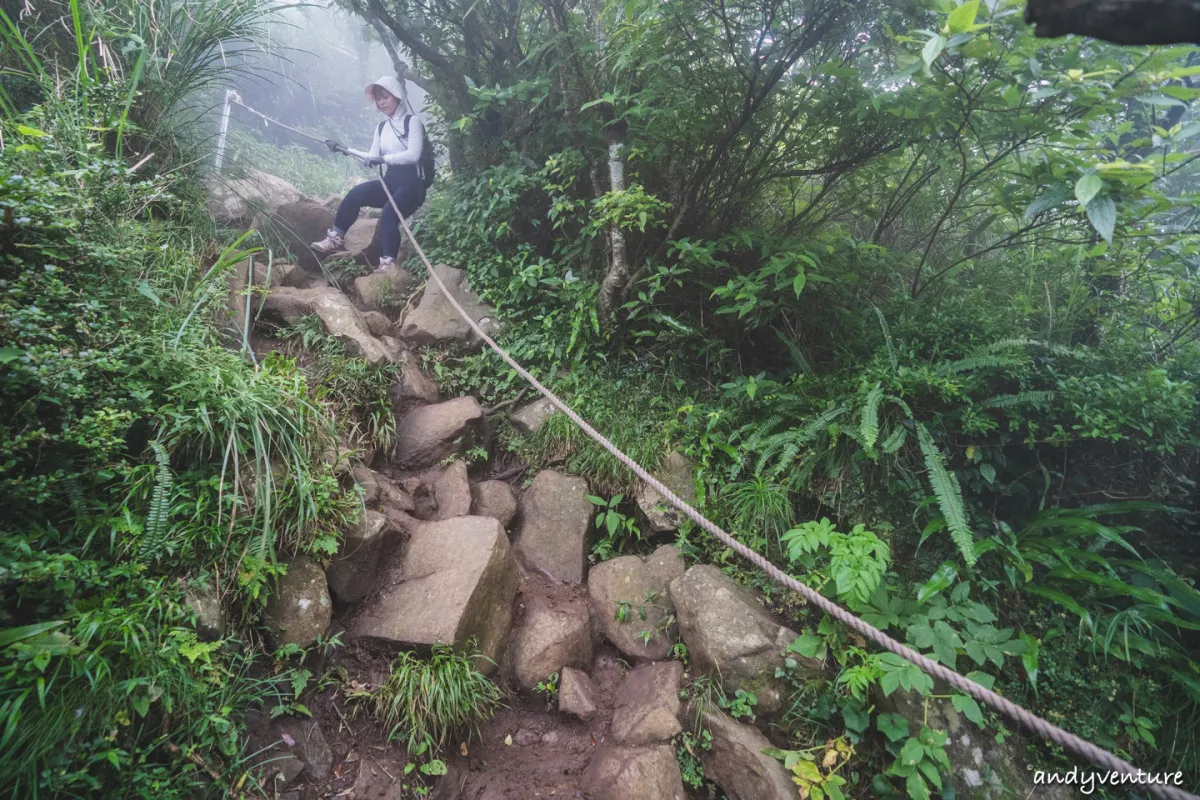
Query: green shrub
pixel 424 700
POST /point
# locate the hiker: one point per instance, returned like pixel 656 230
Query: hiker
pixel 399 143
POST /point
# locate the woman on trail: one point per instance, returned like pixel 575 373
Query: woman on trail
pixel 399 142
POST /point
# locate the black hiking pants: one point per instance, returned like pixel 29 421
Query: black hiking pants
pixel 403 185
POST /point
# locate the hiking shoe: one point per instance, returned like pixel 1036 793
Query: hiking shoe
pixel 385 264
pixel 333 242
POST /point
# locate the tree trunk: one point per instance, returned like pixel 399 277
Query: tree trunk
pixel 1129 22
pixel 618 264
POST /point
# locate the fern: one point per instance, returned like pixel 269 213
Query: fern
pixel 981 362
pixel 949 495
pixel 155 534
pixel 870 417
pixel 1006 400
pixel 895 441
pixel 796 437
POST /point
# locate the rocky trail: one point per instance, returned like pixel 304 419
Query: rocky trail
pixel 446 553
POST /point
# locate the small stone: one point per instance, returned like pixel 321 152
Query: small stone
pixel 494 499
pixel 576 694
pixel 527 736
pixel 550 737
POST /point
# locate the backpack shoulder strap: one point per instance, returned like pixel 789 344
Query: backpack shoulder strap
pixel 407 117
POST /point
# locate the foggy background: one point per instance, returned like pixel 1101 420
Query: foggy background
pixel 312 77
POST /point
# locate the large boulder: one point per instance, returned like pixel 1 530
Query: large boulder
pixel 299 610
pixel 556 526
pixel 494 499
pixel 363 243
pixel 279 274
pixel 645 587
pixel 414 387
pixel 647 710
pixel 455 582
pixel 435 322
pixel 344 323
pixel 382 291
pixel 727 631
pixel 428 434
pixel 235 201
pixel 452 490
pixel 353 573
pixel 982 768
pixel 338 315
pixel 576 694
pixel 298 225
pixel 736 761
pixel 549 639
pixel 529 417
pixel 628 773
pixel 677 473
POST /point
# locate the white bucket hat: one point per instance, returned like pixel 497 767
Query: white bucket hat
pixel 393 86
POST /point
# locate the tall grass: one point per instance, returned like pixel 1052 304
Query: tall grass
pixel 162 59
pixel 425 700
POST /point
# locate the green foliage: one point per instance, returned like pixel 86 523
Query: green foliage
pixel 354 391
pixel 137 450
pixel 857 560
pixel 424 700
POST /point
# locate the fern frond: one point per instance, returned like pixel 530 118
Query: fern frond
pixel 887 339
pixel 870 417
pixel 981 362
pixel 797 436
pixel 895 441
pixel 949 495
pixel 155 533
pixel 1006 400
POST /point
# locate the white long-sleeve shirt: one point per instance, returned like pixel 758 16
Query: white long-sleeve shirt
pixel 391 145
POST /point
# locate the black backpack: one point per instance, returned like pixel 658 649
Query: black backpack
pixel 425 166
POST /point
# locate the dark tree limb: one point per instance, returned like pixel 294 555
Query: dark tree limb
pixel 1129 22
pixel 403 71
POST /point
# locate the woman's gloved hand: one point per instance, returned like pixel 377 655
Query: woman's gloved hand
pixel 334 146
pixel 373 161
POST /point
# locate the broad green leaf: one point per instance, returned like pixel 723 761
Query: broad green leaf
pixel 988 472
pixel 940 581
pixel 963 18
pixel 1102 213
pixel 145 290
pixel 933 48
pixel 1047 200
pixel 893 726
pixel 12 635
pixel 25 130
pixel 8 354
pixel 912 753
pixel 1029 659
pixel 966 705
pixel 917 788
pixel 798 284
pixel 809 646
pixel 1088 187
pixel 982 678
